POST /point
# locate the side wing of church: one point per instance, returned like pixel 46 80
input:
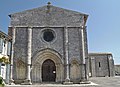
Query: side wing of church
pixel 101 65
pixel 49 45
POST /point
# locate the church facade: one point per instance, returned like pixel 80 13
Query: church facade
pixel 49 45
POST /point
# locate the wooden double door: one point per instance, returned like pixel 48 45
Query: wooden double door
pixel 48 71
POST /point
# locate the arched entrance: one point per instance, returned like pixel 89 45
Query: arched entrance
pixel 48 71
pixel 47 66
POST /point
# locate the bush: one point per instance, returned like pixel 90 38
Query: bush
pixel 2 84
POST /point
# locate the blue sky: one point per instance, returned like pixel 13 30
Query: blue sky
pixel 103 23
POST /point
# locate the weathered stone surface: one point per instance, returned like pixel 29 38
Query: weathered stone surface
pixel 66 50
pixel 40 17
pixel 101 64
pixel 38 43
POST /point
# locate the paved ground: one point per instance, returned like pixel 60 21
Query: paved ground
pixel 106 81
pixel 96 82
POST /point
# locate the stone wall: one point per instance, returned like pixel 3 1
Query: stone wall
pixel 101 64
pixel 38 43
pixel 74 44
pixel 40 17
pixel 69 45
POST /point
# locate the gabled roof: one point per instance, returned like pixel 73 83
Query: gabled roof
pixel 67 16
pixel 44 8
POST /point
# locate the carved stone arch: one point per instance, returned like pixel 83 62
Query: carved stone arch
pixel 47 50
pixel 74 60
pixel 21 69
pixel 75 71
pixel 37 63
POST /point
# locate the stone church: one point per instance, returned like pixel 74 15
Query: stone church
pixel 49 45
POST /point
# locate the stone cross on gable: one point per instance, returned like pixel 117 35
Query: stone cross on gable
pixel 48 7
pixel 48 3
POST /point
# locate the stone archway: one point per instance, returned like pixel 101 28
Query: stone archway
pixel 20 70
pixel 39 60
pixel 75 71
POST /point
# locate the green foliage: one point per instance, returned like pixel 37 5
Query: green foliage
pixel 1 60
pixel 2 84
pixel 5 60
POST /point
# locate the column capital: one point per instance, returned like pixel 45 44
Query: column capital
pixel 83 27
pixel 65 27
pixel 30 27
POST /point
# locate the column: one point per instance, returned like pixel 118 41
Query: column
pixel 12 55
pixel 83 46
pixel 87 63
pixel 40 69
pixel 110 65
pixel 58 72
pixel 84 63
pixel 93 73
pixel 67 72
pixel 29 44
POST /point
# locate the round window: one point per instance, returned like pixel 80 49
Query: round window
pixel 48 35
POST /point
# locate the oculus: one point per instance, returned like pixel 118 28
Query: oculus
pixel 48 35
